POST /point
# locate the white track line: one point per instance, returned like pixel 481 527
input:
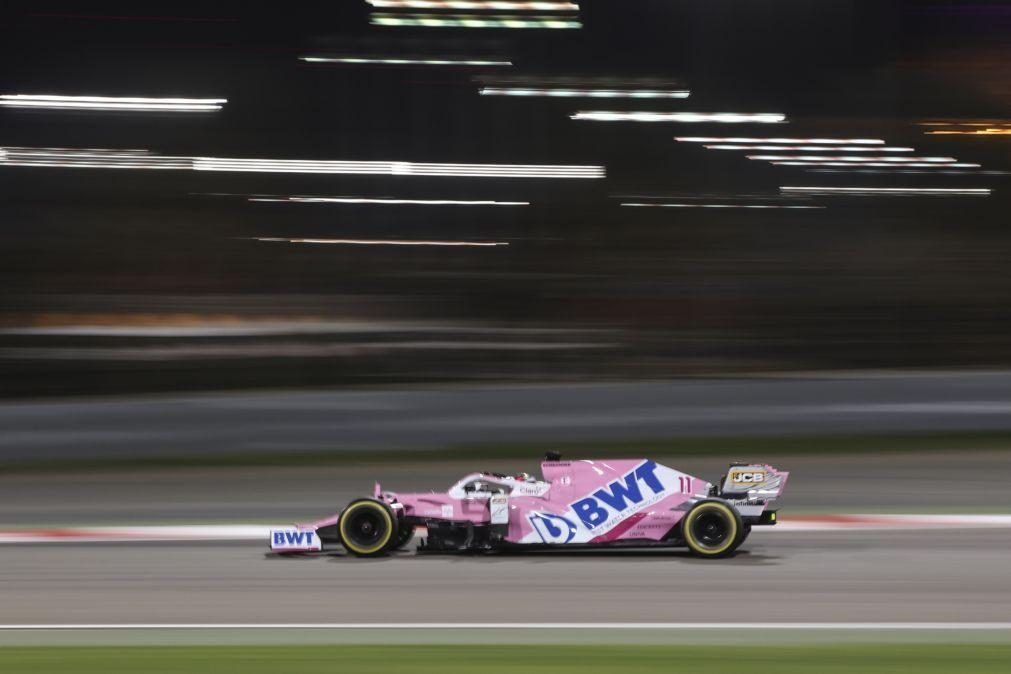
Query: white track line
pixel 260 532
pixel 525 626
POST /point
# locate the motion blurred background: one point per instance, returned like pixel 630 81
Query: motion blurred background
pixel 139 280
pixel 395 238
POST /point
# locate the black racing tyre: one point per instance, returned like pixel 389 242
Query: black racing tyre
pixel 329 534
pixel 742 535
pixel 712 529
pixel 405 532
pixel 368 528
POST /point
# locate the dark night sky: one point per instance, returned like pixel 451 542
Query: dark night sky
pixel 860 61
pixel 834 67
pixel 863 282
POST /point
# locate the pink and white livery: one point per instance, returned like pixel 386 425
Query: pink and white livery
pixel 609 503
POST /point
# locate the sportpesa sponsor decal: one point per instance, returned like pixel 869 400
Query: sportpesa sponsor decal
pixel 608 505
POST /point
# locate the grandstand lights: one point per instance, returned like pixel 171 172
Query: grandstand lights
pixel 812 158
pixel 371 200
pixel 686 117
pixel 404 61
pixel 886 191
pixel 788 141
pixel 502 5
pixel 386 242
pixel 475 21
pixel 811 148
pixel 934 165
pixel 672 205
pixel 584 93
pixel 89 158
pixel 397 168
pixel 111 103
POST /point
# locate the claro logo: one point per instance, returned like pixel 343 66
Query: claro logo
pixel 748 477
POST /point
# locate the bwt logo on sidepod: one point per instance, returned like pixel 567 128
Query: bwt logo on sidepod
pixel 552 528
pixel 619 496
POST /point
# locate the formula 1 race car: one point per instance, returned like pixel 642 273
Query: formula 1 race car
pixel 619 503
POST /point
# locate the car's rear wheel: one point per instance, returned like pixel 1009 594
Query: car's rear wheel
pixel 742 535
pixel 368 528
pixel 712 529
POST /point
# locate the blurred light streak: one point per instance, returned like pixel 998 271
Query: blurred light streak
pixel 668 205
pixel 397 168
pixel 878 163
pixel 90 158
pixel 370 200
pixel 505 5
pixel 474 21
pixel 722 117
pixel 694 196
pixel 404 61
pixel 812 148
pixel 990 122
pixel 788 141
pixel 889 191
pixel 861 159
pixel 385 242
pixel 276 349
pixel 980 132
pixel 12 156
pixel 92 150
pixel 898 169
pixel 584 93
pixel 107 103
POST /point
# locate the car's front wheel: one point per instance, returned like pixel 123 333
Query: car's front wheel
pixel 368 528
pixel 712 529
pixel 405 532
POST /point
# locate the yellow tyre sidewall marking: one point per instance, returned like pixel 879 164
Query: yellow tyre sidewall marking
pixel 693 515
pixel 378 546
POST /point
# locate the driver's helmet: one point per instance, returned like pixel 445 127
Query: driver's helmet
pixel 525 477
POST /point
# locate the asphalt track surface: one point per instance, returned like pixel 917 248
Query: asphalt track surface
pixel 917 576
pixel 779 576
pixel 450 416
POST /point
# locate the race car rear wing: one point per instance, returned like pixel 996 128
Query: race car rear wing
pixel 753 482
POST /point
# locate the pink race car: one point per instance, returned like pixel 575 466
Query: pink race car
pixel 619 503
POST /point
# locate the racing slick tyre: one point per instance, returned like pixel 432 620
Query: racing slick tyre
pixel 405 532
pixel 742 535
pixel 712 529
pixel 368 528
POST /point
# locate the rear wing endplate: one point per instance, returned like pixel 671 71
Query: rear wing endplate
pixel 754 481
